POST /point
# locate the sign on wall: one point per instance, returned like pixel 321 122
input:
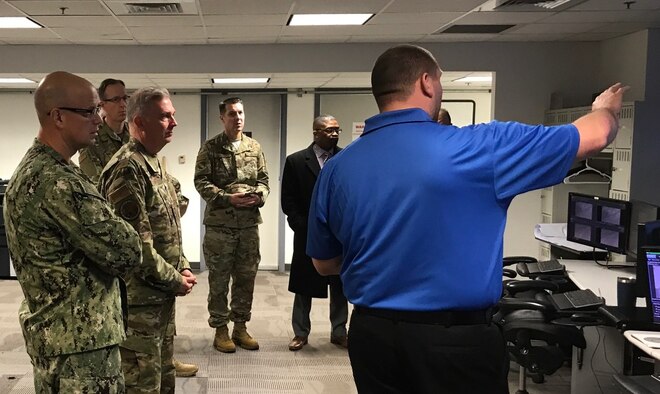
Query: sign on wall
pixel 358 128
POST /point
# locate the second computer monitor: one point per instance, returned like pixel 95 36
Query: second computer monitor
pixel 600 222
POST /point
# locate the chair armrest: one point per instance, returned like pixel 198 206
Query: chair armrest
pixel 513 304
pixel 517 286
pixel 509 273
pixel 511 260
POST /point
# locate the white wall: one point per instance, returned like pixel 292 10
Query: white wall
pixel 623 59
pixel 18 130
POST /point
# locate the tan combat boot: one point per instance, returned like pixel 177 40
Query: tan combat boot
pixel 184 370
pixel 241 337
pixel 221 342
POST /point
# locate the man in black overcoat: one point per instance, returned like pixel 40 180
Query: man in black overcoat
pixel 300 172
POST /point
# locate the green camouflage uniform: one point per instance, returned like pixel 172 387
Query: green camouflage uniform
pixel 68 249
pixel 143 195
pixel 94 158
pixel 231 242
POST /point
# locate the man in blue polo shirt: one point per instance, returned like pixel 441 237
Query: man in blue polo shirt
pixel 412 216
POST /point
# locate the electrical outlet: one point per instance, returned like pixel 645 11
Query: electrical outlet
pixel 182 159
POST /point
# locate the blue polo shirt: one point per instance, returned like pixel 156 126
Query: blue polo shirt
pixel 418 209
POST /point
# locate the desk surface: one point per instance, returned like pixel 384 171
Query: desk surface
pixel 586 274
pixel 655 353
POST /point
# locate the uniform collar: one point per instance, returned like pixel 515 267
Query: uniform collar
pixel 151 160
pixel 49 151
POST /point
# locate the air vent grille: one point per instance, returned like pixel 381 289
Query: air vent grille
pixel 154 8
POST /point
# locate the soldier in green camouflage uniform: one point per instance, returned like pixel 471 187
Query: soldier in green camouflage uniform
pixel 231 176
pixel 145 196
pixel 68 248
pixel 113 133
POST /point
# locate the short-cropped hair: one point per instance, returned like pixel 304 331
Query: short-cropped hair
pixel 106 83
pixel 397 69
pixel 142 98
pixel 229 101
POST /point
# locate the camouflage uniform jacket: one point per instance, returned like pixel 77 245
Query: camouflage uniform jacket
pixel 135 185
pixel 221 170
pixel 68 248
pixel 94 158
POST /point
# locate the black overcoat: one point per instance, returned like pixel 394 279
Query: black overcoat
pixel 300 172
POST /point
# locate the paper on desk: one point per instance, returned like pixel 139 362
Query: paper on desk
pixel 555 234
pixel 550 230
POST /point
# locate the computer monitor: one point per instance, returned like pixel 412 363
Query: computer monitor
pixel 652 255
pixel 600 222
pixel 648 236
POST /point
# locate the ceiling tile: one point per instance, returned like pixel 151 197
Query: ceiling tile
pixel 172 33
pixel 77 21
pixel 554 28
pixel 387 38
pixel 433 5
pixel 498 18
pixel 283 39
pixel 6 10
pixel 84 35
pixel 412 18
pixel 458 37
pixel 161 20
pixel 246 20
pixel 599 16
pixel 27 34
pixel 245 7
pixel 339 6
pixel 53 7
pixel 244 40
pixel 172 41
pixel 530 37
pixel 592 36
pixel 617 5
pixel 242 31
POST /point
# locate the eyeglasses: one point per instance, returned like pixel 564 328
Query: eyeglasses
pixel 330 130
pixel 117 99
pixel 86 112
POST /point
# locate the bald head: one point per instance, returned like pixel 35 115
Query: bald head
pixel 59 89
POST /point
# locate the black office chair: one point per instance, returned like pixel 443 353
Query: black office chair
pixel 535 343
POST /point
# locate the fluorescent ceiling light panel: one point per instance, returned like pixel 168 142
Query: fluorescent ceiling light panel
pixel 18 22
pixel 328 19
pixel 474 79
pixel 240 80
pixel 16 80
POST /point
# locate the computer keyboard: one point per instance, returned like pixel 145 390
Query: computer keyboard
pixel 583 298
pixel 550 265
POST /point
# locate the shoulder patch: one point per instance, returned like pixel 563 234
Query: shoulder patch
pixel 119 194
pixel 129 209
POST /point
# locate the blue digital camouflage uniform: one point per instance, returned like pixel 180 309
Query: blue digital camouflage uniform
pixel 145 196
pixel 94 158
pixel 68 249
pixel 231 242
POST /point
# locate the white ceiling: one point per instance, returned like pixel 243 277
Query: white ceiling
pixel 106 22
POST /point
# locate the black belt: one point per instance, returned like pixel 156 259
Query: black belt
pixel 445 318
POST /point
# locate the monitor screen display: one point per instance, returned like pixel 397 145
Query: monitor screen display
pixel 603 223
pixel 653 265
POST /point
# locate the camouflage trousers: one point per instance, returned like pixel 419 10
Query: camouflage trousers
pixel 146 355
pixel 95 371
pixel 231 253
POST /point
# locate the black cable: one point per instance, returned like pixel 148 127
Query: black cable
pixel 591 362
pixel 607 261
pixel 605 351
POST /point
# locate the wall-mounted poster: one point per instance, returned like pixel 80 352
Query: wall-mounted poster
pixel 358 128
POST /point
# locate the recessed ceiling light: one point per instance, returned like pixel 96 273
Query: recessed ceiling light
pixel 16 80
pixel 474 79
pixel 18 22
pixel 328 19
pixel 240 80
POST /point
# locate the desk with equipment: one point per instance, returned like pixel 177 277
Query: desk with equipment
pixel 603 223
